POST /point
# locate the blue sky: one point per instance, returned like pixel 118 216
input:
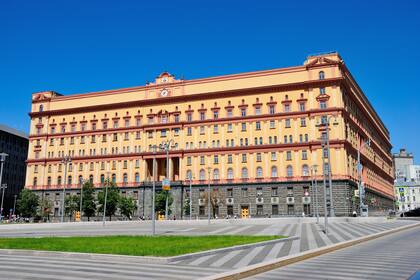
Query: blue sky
pixel 81 46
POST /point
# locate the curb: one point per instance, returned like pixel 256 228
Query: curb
pixel 144 259
pixel 259 268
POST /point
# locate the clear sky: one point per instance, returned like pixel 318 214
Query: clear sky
pixel 81 46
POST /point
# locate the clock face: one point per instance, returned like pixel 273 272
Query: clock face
pixel 164 92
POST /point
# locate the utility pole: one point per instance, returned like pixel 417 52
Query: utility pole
pixel 190 196
pixel 166 146
pixel 325 191
pixel 106 196
pixel 208 195
pixel 2 160
pixel 2 187
pixel 359 173
pixel 65 161
pixel 153 190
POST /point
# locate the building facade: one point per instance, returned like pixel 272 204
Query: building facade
pixel 15 144
pixel 253 136
pixel 408 196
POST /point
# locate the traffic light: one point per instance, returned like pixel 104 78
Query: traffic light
pixel 77 216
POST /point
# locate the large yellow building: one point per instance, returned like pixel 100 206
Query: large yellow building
pixel 257 134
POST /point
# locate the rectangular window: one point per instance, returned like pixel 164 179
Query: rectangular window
pixel 272 109
pixel 260 211
pixel 229 113
pixel 150 134
pixel 243 126
pixel 82 139
pixel 229 127
pixel 272 124
pixel 273 156
pixel 288 155
pixel 302 122
pixel 322 105
pixel 202 130
pixel 163 133
pixel 176 131
pixel 287 108
pixel 229 193
pixel 216 159
pixel 304 154
pixel 258 125
pixel 216 115
pixel 258 157
pixel 229 159
pixel 189 131
pixel 274 209
pixel 215 128
pixel 244 192
pixel 115 124
pixel 189 161
pixel 202 116
pixel 137 135
pixel 104 125
pixel 301 106
pixel 274 191
pixel 115 137
pixel 202 160
pixel 243 112
pixel 71 140
pixel 287 123
pixel 127 123
pixel 243 158
pixel 258 110
pixel 189 117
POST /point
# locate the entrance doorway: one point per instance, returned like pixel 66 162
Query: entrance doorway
pixel 244 211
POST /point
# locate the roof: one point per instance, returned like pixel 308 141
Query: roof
pixel 13 131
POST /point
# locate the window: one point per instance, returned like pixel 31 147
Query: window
pixel 201 211
pixel 285 139
pixel 259 172
pixel 290 139
pixel 229 192
pixel 137 177
pixel 305 170
pixel 229 113
pixel 274 209
pixel 72 140
pixel 302 122
pixel 229 127
pixel 115 124
pixel 273 171
pixel 35 183
pixel 306 138
pixel 258 157
pixel 287 108
pixel 272 124
pixel 272 109
pixel 273 156
pixel 322 91
pixel 125 179
pixel 243 126
pixel 302 107
pixel 287 123
pixel 69 181
pixel 215 128
pixel 321 75
pixel 189 117
pixel 258 125
pixel 202 130
pixel 202 160
pixel 258 110
pixel 243 112
pixel 229 159
pixel 82 140
pixel 289 171
pixel 93 126
pixel 230 173
pixel 202 116
pixel 288 155
pixel 322 104
pixel 202 175
pixel 243 158
pixel 260 211
pixel 115 137
pixel 189 175
pixel 216 159
pixel 163 133
pixel 216 115
pixel 216 174
pixel 304 155
pixel 189 131
pixel 114 178
pixel 244 173
pixel 80 180
pixel 244 192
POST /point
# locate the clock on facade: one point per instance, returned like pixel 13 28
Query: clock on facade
pixel 164 92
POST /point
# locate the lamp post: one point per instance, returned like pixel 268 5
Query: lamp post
pixel 106 196
pixel 81 199
pixel 359 173
pixel 208 196
pixel 153 190
pixel 66 160
pixel 14 205
pixel 315 184
pixel 166 146
pixel 2 187
pixel 326 123
pixel 190 196
pixel 2 160
pixel 325 192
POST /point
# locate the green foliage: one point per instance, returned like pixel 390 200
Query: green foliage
pixel 88 202
pixel 112 199
pixel 127 206
pixel 160 202
pixel 45 208
pixel 71 204
pixel 27 203
pixel 132 245
pixel 187 206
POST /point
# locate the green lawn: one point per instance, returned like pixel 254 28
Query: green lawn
pixel 162 246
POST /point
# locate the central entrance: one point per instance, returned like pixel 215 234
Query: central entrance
pixel 161 169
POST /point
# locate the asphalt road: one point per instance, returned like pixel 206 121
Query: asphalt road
pixel 393 257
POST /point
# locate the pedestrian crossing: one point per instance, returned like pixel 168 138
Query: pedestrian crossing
pixel 392 257
pixel 311 236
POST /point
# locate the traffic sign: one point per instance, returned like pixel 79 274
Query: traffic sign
pixel 306 193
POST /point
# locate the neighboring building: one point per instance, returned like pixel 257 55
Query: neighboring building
pixel 405 170
pixel 15 144
pixel 408 196
pixel 256 131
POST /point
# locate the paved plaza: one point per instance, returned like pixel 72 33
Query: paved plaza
pixel 16 264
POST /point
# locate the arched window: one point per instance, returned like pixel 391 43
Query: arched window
pixel 216 174
pixel 230 173
pixel 259 172
pixel 137 177
pixel 35 181
pixel 41 108
pixel 102 179
pixel 91 179
pixel 125 179
pixel 273 171
pixel 80 180
pixel 244 173
pixel 59 180
pixel 289 171
pixel 114 178
pixel 202 174
pixel 321 75
pixel 305 170
pixel 69 181
pixel 189 175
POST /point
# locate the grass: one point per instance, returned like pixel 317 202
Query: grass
pixel 161 246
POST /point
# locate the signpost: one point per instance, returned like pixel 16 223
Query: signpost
pixel 166 184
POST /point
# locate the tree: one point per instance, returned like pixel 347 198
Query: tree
pixel 127 206
pixel 71 204
pixel 216 200
pixel 111 200
pixel 88 202
pixel 45 208
pixel 27 203
pixel 187 206
pixel 160 202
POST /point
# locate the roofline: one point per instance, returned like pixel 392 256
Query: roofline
pixel 14 131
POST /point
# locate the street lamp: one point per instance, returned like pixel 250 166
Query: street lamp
pixel 166 146
pixel 2 187
pixel 315 184
pixel 14 205
pixel 208 195
pixel 65 161
pixel 190 177
pixel 106 196
pixel 2 160
pixel 81 198
pixel 153 190
pixel 325 192
pixel 359 171
pixel 326 123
